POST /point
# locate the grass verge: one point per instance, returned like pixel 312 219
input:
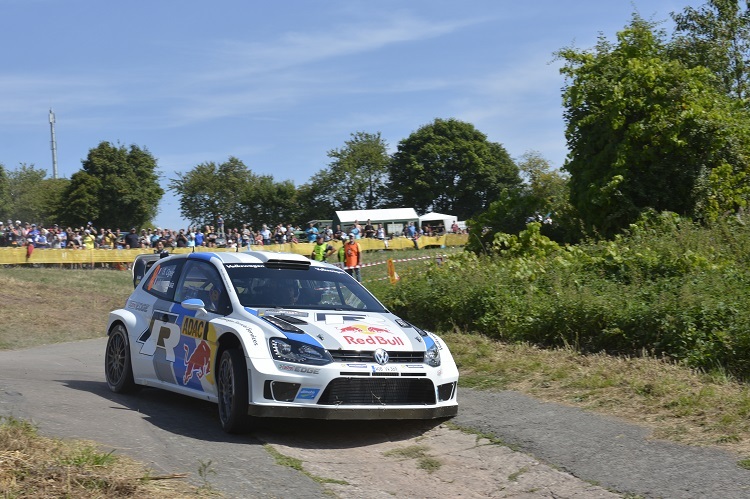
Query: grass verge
pixel 679 404
pixel 35 466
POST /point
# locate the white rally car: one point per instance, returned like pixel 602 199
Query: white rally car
pixel 274 335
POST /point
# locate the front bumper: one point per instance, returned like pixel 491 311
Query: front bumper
pixel 361 391
pixel 316 412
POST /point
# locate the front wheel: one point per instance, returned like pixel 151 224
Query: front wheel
pixel 117 366
pixel 232 389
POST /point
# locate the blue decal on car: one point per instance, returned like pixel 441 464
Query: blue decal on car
pixel 203 255
pixel 303 338
pixel 308 393
pixel 428 342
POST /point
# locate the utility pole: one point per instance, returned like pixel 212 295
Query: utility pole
pixel 53 142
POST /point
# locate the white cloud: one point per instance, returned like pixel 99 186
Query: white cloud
pixel 242 59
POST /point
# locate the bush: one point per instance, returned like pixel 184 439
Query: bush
pixel 667 287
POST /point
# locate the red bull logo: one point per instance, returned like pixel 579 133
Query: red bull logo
pixel 363 329
pixel 197 362
pixel 351 329
pixel 374 340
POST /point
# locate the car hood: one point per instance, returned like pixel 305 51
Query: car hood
pixel 338 330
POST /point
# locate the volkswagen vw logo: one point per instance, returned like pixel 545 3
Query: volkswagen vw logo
pixel 381 356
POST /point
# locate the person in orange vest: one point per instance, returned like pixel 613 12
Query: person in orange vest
pixel 353 257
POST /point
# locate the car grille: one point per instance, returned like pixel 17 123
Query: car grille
pixel 379 391
pixel 394 357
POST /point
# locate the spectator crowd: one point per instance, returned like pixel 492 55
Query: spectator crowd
pixel 18 234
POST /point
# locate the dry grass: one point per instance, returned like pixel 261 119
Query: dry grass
pixel 40 467
pixel 42 306
pixel 679 404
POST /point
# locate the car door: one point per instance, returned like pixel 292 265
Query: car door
pixel 195 351
pixel 154 349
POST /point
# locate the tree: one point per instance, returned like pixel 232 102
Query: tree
pixel 548 187
pixel 26 193
pixel 54 190
pixel 717 36
pixel 315 200
pixel 644 131
pixel 210 190
pixel 116 187
pixel 30 196
pixel 5 200
pixel 356 178
pixel 544 192
pixel 361 167
pixel 448 166
pixel 233 191
pixel 267 201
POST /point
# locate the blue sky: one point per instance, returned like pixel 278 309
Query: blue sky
pixel 279 84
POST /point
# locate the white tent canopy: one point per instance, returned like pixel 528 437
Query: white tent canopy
pixel 393 219
pixel 377 216
pixel 447 220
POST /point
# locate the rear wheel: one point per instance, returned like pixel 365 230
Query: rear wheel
pixel 117 366
pixel 232 389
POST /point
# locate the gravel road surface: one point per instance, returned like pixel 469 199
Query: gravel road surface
pixel 559 451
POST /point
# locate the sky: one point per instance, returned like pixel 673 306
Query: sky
pixel 280 84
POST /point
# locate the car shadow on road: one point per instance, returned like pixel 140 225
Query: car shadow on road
pixel 331 434
pixel 198 419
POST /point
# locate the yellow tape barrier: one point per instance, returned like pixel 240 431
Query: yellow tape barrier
pixel 17 256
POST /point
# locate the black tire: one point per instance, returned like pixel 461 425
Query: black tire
pixel 117 366
pixel 232 389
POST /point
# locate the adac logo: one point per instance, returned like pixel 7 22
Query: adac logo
pixel 364 329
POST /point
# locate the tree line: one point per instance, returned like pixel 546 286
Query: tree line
pixel 447 165
pixel 654 121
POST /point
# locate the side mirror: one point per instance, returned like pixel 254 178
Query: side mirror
pixel 194 304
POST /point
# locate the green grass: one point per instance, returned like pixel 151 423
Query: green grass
pixel 418 453
pixel 89 456
pixel 298 464
pixel 513 477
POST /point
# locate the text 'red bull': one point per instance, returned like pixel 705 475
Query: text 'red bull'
pixel 374 340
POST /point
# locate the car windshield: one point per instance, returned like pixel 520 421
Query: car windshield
pixel 316 287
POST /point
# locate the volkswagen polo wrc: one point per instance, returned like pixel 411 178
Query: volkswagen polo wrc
pixel 274 335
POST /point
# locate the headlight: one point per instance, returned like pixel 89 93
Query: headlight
pixel 300 353
pixel 432 356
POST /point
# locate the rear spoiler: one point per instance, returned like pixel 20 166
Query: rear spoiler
pixel 291 261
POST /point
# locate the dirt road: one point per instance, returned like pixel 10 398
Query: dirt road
pixel 62 389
